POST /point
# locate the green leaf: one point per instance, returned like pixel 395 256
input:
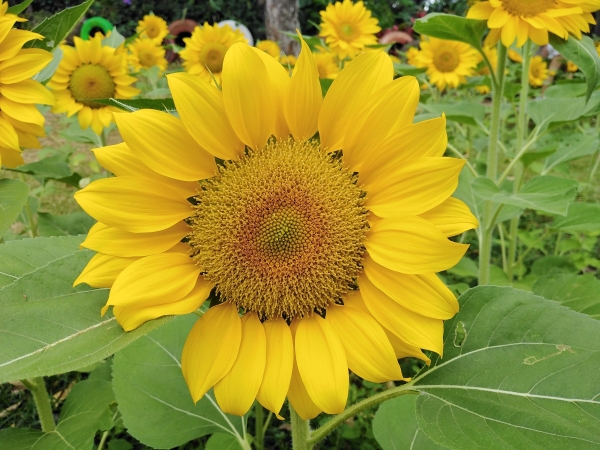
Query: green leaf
pixel 54 167
pixel 465 268
pixel 407 69
pixel 13 195
pixel 525 376
pixel 545 111
pixel 18 9
pixel 545 265
pixel 395 426
pixel 543 193
pixel 580 293
pixel 160 104
pixel 462 112
pixel 576 147
pixel 147 377
pixel 222 441
pixel 584 55
pixel 455 28
pixel 66 225
pixel 325 85
pixel 580 218
pixel 566 90
pixel 86 410
pixel 53 327
pixel 465 192
pixel 56 28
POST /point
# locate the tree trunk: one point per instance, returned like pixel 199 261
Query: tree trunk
pixel 282 15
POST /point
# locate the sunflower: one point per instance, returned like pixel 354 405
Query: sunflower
pixel 533 19
pixel 20 121
pixel 144 53
pixel 412 56
pixel 205 50
pixel 90 71
pixel 572 67
pixel 328 248
pixel 448 63
pixel 348 28
pixel 270 48
pixel 288 62
pixel 152 27
pixel 327 65
pixel 538 71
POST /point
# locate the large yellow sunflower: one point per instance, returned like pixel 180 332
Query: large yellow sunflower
pixel 327 249
pixel 270 48
pixel 448 63
pixel 144 54
pixel 348 28
pixel 205 50
pixel 538 71
pixel 533 19
pixel 90 71
pixel 152 27
pixel 20 121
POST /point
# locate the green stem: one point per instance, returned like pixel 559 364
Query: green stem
pixel 485 247
pixel 33 229
pixel 103 440
pixel 557 244
pixel 454 150
pixel 37 386
pixel 300 432
pixel 259 433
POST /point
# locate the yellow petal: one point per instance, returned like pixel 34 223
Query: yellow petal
pixel 278 369
pixel 31 128
pixel 200 106
pixel 21 111
pixel 451 217
pixel 28 91
pixel 236 392
pixel 10 158
pixel 303 98
pixel 133 317
pixel 8 136
pixel 247 95
pixel 113 241
pixel 103 270
pixel 161 141
pixel 85 117
pixel 14 41
pixel 134 204
pixel 350 90
pixel 322 364
pixel 368 350
pixel 389 109
pixel 155 280
pixel 424 294
pixel 413 187
pixel 412 245
pixel 211 348
pixel 412 328
pixel 24 65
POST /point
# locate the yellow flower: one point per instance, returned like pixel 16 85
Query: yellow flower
pixel 348 28
pixel 20 121
pixel 412 56
pixel 327 65
pixel 330 258
pixel 448 63
pixel 270 48
pixel 153 27
pixel 515 56
pixel 144 53
pixel 206 48
pixel 288 62
pixel 533 19
pixel 90 71
pixel 538 71
pixel 572 67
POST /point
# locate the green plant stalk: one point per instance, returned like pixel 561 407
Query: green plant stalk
pixel 33 229
pixel 259 431
pixel 487 229
pixel 37 386
pixel 300 431
pixel 518 167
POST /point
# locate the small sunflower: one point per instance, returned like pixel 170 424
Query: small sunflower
pixel 152 27
pixel 205 50
pixel 144 54
pixel 572 67
pixel 90 71
pixel 538 71
pixel 327 65
pixel 270 48
pixel 412 56
pixel 321 251
pixel 348 28
pixel 20 121
pixel 288 62
pixel 533 19
pixel 448 63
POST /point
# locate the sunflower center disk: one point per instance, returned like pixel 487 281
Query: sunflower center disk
pixel 348 32
pixel 147 58
pixel 212 55
pixel 89 82
pixel 446 61
pixel 527 8
pixel 281 231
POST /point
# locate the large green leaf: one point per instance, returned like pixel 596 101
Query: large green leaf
pixel 147 378
pixel 19 8
pixel 13 195
pixel 583 53
pixel 580 293
pixel 580 146
pixel 462 112
pixel 524 374
pixel 455 28
pixel 56 28
pixel 222 441
pixel 65 225
pixel 543 193
pixel 86 410
pixel 545 111
pixel 49 327
pixel 54 167
pixel 580 218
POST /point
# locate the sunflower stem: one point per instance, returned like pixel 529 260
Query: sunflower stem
pixel 37 386
pixel 487 229
pixel 300 431
pixel 259 433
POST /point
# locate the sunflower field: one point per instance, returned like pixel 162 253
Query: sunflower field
pixel 386 239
